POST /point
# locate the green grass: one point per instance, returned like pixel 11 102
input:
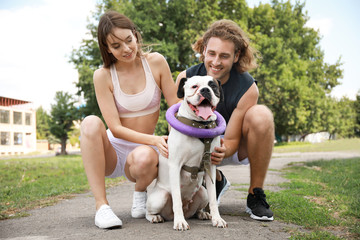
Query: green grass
pixel 321 196
pixel 27 183
pixel 328 146
pixel 316 235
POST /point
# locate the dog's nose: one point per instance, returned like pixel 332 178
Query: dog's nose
pixel 205 92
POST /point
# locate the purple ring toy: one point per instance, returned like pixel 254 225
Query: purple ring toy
pixel 192 131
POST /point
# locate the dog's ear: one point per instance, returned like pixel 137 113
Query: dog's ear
pixel 181 91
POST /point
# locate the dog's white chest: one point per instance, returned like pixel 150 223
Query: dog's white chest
pixel 188 185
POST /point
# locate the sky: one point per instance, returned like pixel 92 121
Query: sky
pixel 38 36
pixel 36 41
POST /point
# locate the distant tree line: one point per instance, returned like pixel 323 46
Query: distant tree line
pixel 293 79
pixel 58 126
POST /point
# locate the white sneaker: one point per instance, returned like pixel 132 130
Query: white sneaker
pixel 106 218
pixel 138 209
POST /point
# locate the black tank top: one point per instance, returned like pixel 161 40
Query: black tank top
pixel 233 89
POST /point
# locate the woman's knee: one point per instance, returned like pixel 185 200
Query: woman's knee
pixel 142 164
pixel 144 158
pixel 91 126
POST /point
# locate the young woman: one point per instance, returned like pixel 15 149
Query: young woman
pixel 128 90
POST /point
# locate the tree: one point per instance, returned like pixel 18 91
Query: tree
pixel 86 60
pixel 347 118
pixel 42 124
pixel 331 117
pixel 293 79
pixel 357 112
pixel 62 117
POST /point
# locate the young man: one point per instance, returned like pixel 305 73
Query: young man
pixel 249 136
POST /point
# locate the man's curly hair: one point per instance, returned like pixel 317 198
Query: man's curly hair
pixel 229 30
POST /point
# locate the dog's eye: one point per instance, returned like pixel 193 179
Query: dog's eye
pixel 194 86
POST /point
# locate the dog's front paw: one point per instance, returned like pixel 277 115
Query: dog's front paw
pixel 181 224
pixel 154 218
pixel 202 215
pixel 219 222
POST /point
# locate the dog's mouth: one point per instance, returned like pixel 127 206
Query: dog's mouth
pixel 204 109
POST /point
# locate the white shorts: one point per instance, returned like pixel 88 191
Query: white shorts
pixel 234 159
pixel 122 149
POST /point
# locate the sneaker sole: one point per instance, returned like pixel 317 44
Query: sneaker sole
pixel 227 186
pixel 109 227
pixel 263 218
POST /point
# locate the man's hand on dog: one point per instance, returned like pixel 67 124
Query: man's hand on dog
pixel 219 153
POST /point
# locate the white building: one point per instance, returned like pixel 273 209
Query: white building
pixel 17 126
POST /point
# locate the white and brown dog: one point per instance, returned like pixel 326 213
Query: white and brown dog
pixel 178 193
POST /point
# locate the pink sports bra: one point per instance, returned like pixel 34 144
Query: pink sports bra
pixel 140 104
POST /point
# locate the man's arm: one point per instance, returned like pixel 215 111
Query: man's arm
pixel 234 128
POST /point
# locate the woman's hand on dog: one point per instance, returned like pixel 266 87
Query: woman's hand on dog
pixel 219 153
pixel 162 145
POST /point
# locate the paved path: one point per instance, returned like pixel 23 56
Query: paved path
pixel 74 218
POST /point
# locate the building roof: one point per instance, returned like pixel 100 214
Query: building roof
pixel 5 101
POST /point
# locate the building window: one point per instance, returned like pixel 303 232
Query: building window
pixel 18 138
pixel 18 118
pixel 4 116
pixel 28 119
pixel 5 138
